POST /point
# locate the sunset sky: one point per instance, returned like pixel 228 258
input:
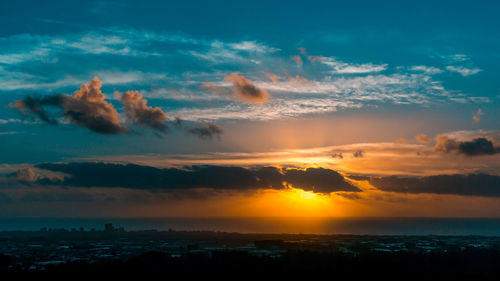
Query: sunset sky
pixel 261 108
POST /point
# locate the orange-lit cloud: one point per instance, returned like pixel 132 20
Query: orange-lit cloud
pixel 422 138
pixel 87 107
pixel 477 116
pixel 298 81
pixel 273 77
pixel 401 141
pixel 297 60
pixel 139 113
pixel 310 58
pixel 245 90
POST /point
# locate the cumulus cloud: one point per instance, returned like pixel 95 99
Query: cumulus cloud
pixel 87 107
pixel 215 177
pixel 245 90
pixel 30 176
pixel 472 184
pixel 26 175
pixel 139 113
pixel 475 147
pixel 422 138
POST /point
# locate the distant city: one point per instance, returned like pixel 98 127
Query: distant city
pixel 52 249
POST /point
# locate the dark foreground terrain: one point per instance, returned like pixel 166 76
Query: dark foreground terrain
pixel 171 253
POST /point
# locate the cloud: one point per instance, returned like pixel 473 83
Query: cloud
pixel 318 180
pixel 358 154
pixel 213 177
pixel 30 176
pixel 27 47
pixel 273 77
pixel 475 147
pixel 455 58
pixel 86 107
pixel 477 116
pixel 34 105
pixel 139 113
pixel 400 141
pixel 214 88
pixel 205 130
pixel 472 184
pixel 426 69
pixel 464 71
pixel 338 155
pixel 310 58
pixel 414 88
pixel 245 90
pixel 277 108
pixel 252 46
pixel 26 175
pixel 422 138
pixel 298 81
pixel 218 52
pixel 297 60
pixel 340 67
pixel 62 195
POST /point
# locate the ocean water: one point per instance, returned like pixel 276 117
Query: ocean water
pixel 358 226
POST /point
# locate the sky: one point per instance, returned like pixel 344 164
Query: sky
pixel 264 108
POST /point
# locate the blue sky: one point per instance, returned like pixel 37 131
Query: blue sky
pixel 443 55
pixel 336 75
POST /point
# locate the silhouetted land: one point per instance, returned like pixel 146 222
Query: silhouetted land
pixel 198 252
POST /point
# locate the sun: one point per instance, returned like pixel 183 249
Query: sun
pixel 305 195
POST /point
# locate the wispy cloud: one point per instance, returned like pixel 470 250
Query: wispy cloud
pixel 219 52
pixel 378 158
pixel 339 67
pixel 276 108
pixel 477 117
pixel 464 71
pixel 426 69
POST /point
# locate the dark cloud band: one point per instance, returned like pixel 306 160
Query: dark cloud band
pixel 473 184
pixel 215 177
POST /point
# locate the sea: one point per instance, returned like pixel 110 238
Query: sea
pixel 356 226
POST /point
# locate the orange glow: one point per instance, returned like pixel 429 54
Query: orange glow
pixel 288 202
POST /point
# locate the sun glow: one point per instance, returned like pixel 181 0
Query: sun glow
pixel 293 201
pixel 306 195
